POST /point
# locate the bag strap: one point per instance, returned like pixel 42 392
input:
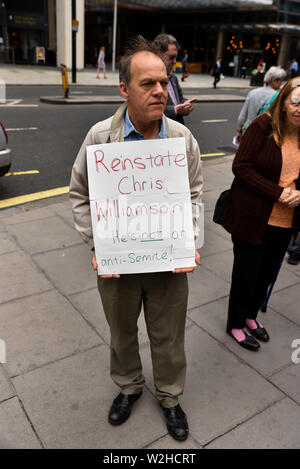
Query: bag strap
pixel 265 106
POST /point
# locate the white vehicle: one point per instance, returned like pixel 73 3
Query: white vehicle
pixel 5 153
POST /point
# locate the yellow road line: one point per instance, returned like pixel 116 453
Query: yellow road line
pixel 23 199
pixel 206 155
pixel 20 173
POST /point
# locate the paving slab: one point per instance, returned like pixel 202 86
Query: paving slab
pixel 7 243
pixel 69 269
pixel 216 181
pixel 64 211
pixel 275 428
pixel 6 390
pixel 220 392
pixel 169 443
pixel 27 215
pixel 286 302
pixel 292 268
pixel 220 264
pixel 271 357
pixel 15 429
pixel 20 277
pixel 205 287
pixel 210 225
pixel 214 244
pixel 209 199
pixel 286 278
pixel 53 233
pixel 288 381
pixel 41 329
pixel 217 176
pixel 68 403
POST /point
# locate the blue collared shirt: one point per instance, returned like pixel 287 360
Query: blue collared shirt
pixel 130 132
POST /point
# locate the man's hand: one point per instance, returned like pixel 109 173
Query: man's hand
pixel 189 269
pixel 185 108
pixel 95 267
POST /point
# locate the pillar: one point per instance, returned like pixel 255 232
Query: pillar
pixel 220 45
pixel 51 25
pixel 64 33
pixel 284 51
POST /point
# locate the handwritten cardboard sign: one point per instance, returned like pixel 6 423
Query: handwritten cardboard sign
pixel 140 206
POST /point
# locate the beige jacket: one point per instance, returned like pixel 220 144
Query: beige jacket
pixel 112 130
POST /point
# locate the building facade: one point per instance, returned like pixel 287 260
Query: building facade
pixel 238 31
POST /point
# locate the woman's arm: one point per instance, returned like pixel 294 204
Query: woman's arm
pixel 243 164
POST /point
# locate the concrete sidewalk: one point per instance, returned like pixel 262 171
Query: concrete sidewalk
pixel 55 389
pixel 42 75
pixel 39 75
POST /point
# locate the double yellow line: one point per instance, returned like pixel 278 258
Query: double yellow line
pixel 209 155
pixel 23 199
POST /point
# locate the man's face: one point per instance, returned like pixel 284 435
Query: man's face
pixel 171 57
pixel 276 83
pixel 147 92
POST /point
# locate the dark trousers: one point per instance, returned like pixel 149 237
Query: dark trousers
pixel 254 269
pixel 217 79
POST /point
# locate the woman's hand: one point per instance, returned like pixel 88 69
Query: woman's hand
pixel 285 194
pixel 293 199
pixel 95 267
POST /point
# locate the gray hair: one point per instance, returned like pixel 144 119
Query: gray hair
pixel 163 40
pixel 133 46
pixel 274 73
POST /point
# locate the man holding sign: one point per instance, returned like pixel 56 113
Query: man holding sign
pixel 164 293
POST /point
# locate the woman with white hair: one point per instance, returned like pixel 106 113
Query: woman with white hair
pixel 259 97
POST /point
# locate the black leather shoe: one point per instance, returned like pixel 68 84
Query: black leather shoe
pixel 121 408
pixel 176 422
pixel 249 343
pixel 293 260
pixel 260 333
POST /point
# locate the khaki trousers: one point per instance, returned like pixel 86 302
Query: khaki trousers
pixel 164 297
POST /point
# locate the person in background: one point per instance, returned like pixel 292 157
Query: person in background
pixel 184 66
pixel 144 85
pixel 217 70
pixel 177 106
pixel 101 63
pixel 294 251
pixel 261 66
pixel 261 214
pixel 293 69
pixel 244 68
pixel 258 98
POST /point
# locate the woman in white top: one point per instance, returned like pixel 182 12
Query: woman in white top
pixel 101 63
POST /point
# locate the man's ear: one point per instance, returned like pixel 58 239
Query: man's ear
pixel 124 90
